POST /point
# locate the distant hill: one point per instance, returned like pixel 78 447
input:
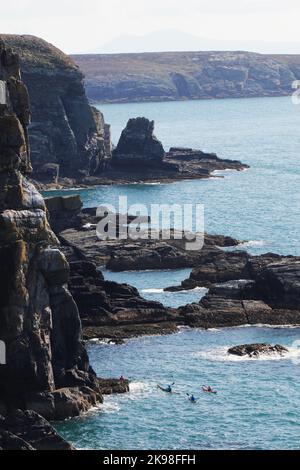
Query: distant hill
pixel 176 40
pixel 159 76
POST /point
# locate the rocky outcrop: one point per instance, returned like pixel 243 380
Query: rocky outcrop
pixel 68 137
pixel 277 279
pixel 140 156
pixel 63 211
pixel 256 350
pixel 218 267
pixel 26 430
pixel 111 310
pixel 152 253
pixel 138 145
pixel 243 289
pixel 161 76
pixel 47 367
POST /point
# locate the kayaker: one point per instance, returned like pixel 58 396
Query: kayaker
pixel 192 398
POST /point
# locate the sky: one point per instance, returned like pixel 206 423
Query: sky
pixel 87 26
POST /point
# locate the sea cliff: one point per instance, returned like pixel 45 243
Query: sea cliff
pixel 68 137
pixel 167 76
pixel 46 372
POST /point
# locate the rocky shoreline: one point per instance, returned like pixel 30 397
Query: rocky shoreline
pixel 53 295
pixel 140 158
pixel 243 289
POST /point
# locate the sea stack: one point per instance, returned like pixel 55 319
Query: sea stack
pixel 138 145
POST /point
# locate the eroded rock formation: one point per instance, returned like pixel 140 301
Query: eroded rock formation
pixel 138 145
pixel 68 137
pixel 139 155
pixel 243 289
pixel 47 368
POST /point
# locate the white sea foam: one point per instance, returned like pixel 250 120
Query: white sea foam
pixel 253 243
pixel 110 406
pixel 221 355
pixel 265 325
pixel 142 183
pixel 184 291
pixel 153 291
pixel 104 341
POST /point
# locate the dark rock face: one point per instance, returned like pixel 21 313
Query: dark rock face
pixel 39 320
pixel 29 431
pixel 187 75
pixel 217 267
pixel 68 137
pixel 105 304
pixel 255 350
pixel 63 211
pixel 277 280
pixel 263 289
pixel 138 145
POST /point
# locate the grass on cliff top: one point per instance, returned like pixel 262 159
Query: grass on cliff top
pixel 36 52
pixel 162 63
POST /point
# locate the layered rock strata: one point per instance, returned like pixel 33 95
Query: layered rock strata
pixel 46 366
pixel 169 76
pixel 68 137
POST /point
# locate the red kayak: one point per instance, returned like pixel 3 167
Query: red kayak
pixel 207 390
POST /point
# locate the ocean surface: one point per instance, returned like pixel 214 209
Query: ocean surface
pixel 258 403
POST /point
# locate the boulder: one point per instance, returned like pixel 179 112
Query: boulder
pixel 256 350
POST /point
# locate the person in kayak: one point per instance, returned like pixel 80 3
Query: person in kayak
pixel 192 398
pixel 208 389
pixel 168 388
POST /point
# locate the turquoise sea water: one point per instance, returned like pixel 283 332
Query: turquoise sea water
pixel 257 406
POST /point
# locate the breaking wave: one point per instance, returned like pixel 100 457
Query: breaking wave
pixel 221 355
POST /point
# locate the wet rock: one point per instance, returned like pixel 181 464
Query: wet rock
pixel 256 350
pixel 64 403
pixel 29 431
pixel 110 386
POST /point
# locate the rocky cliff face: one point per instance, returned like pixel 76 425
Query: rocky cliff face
pixel 47 368
pixel 67 136
pixel 187 75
